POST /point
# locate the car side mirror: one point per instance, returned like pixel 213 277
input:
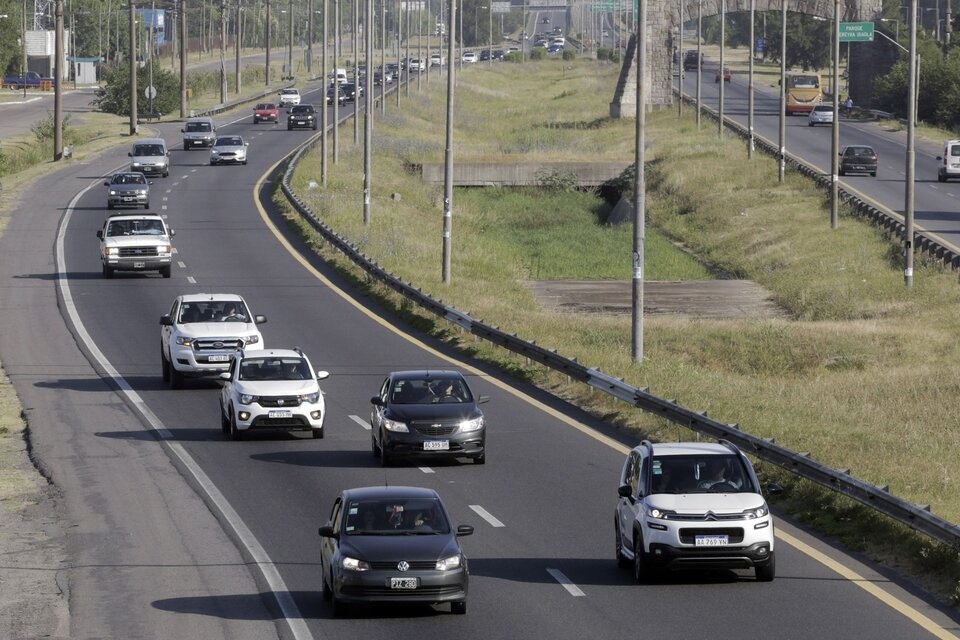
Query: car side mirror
pixel 225 375
pixel 171 232
pixel 774 489
pixel 100 233
pixel 183 130
pixel 377 400
pixel 107 183
pixel 129 155
pixel 259 319
pixel 464 530
pixel 625 491
pixel 149 181
pixel 326 531
pixel 939 157
pixel 165 320
pixel 323 375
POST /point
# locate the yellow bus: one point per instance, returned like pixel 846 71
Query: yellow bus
pixel 803 91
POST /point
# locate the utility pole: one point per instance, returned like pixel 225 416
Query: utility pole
pixel 133 69
pixel 639 189
pixel 336 78
pixel 310 37
pixel 58 85
pixel 238 36
pixel 383 57
pixel 723 24
pixel 908 209
pixel 699 60
pixel 290 44
pixel 448 152
pixel 751 142
pixel 835 127
pixel 783 91
pixel 266 37
pixel 367 111
pixel 356 74
pixel 223 51
pixel 323 108
pixel 183 59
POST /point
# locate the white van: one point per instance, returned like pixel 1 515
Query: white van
pixel 949 161
pixel 340 75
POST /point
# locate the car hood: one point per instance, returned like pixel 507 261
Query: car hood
pixel 703 502
pixel 439 411
pixel 135 241
pixel 148 159
pixel 229 149
pixel 423 547
pixel 129 187
pixel 277 387
pixel 213 329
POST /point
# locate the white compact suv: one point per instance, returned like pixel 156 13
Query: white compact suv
pixel 271 389
pixel 693 505
pixel 288 98
pixel 201 333
pixel 135 242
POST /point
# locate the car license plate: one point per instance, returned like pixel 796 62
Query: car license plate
pixel 280 413
pixel 139 265
pixel 710 541
pixel 436 445
pixel 404 583
pixel 218 358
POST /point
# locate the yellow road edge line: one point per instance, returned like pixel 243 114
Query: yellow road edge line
pixel 891 601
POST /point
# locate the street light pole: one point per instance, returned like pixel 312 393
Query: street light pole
pixel 238 36
pixel 133 69
pixel 266 37
pixel 183 59
pixel 58 85
pixel 290 45
pixel 448 152
pixel 910 158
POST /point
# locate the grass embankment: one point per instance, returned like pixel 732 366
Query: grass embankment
pixel 864 375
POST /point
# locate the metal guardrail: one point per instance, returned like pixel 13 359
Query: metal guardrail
pixel 918 517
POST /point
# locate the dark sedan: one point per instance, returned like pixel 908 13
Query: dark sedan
pixel 427 413
pixel 858 158
pixel 301 116
pixel 392 544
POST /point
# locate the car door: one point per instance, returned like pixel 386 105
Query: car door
pixel 629 508
pixel 376 412
pixel 166 331
pixel 329 546
pixel 226 390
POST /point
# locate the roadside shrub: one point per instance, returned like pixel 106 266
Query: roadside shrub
pixel 43 130
pixel 513 56
pixel 538 53
pixel 557 180
pixel 569 54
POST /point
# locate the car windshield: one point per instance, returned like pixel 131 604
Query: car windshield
pixel 198 126
pixel 129 178
pixel 395 517
pixel 430 391
pixel 213 311
pixel 134 228
pixel 859 152
pixel 147 150
pixel 265 106
pixel 301 109
pixel 232 141
pixel 700 474
pixel 274 368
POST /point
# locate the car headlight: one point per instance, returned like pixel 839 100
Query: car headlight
pixel 759 512
pixel 446 564
pixel 246 398
pixel 473 424
pixel 164 249
pixel 113 192
pixel 659 514
pixel 184 341
pixel 353 564
pixel 395 426
pixel 109 251
pixel 142 192
pixel 137 164
pixel 214 152
pixel 250 339
pixel 311 398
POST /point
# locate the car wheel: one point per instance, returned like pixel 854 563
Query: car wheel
pixel 165 271
pixel 641 572
pixel 385 458
pixel 768 572
pixel 244 163
pixel 164 367
pixel 212 163
pixel 107 272
pixel 481 459
pixel 810 123
pixel 289 128
pixel 224 422
pixel 622 560
pixel 325 590
pixel 235 433
pixel 109 205
pixel 873 174
pixel 317 433
pixel 941 178
pixel 176 378
pixel 338 605
pixel 458 608
pixel 146 205
pixel 842 172
pixel 373 447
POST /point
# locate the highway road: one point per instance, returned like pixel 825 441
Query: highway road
pixel 83 353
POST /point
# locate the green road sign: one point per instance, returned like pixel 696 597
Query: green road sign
pixel 856 32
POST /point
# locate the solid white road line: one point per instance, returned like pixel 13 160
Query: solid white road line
pixel 360 421
pixel 566 583
pixel 486 515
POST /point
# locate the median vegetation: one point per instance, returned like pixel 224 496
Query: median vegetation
pixel 863 374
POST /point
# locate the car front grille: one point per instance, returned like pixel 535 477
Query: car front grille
pixel 138 252
pixel 217 344
pixel 279 401
pixel 734 534
pixel 444 428
pixel 415 565
pixel 293 422
pixel 387 592
pixel 705 517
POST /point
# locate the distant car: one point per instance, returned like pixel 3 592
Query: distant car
pixel 339 93
pixel 691 59
pixel 128 189
pixel 546 20
pixel 949 161
pixel 266 112
pixel 437 60
pixel 727 75
pixel 469 56
pixel 427 413
pixel 820 114
pixel 485 55
pixel 555 48
pixel 856 158
pixel 392 544
pixel 351 90
pixel 198 132
pixel 302 116
pixel 150 157
pixel 693 505
pixel 289 97
pixel 417 64
pixel 135 242
pixel 271 389
pixel 229 150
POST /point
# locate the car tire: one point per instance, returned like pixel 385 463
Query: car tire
pixel 289 128
pixel 941 178
pixel 244 163
pixel 810 123
pixel 767 572
pixel 109 205
pixel 339 606
pixel 374 448
pixel 235 434
pixel 458 608
pixel 176 378
pixel 224 422
pixel 622 560
pixel 164 367
pixel 481 459
pixel 212 163
pixel 146 205
pixel 841 172
pixel 641 570
pixel 107 272
pixel 385 458
pixel 317 433
pixel 873 174
pixel 166 271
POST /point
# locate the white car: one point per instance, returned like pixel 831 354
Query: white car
pixel 229 150
pixel 469 56
pixel 820 114
pixel 135 242
pixel 288 98
pixel 693 505
pixel 201 333
pixel 271 389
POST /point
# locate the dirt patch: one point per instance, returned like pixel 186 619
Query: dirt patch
pixel 718 299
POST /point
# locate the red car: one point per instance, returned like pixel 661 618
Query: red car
pixel 266 112
pixel 727 75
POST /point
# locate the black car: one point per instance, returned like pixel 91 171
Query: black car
pixel 350 91
pixel 858 158
pixel 338 91
pixel 392 544
pixel 691 59
pixel 427 413
pixel 301 116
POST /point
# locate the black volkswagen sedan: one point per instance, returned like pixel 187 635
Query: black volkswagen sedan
pixel 427 413
pixel 392 544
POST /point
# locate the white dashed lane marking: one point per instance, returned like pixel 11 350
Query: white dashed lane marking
pixel 486 515
pixel 360 421
pixel 566 583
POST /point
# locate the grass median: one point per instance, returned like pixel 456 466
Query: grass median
pixel 863 374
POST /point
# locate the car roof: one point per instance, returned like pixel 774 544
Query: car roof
pixel 150 141
pixel 857 146
pixel 381 492
pixel 273 353
pixel 200 119
pixel 688 448
pixel 135 216
pixel 289 91
pixel 433 374
pixel 197 297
